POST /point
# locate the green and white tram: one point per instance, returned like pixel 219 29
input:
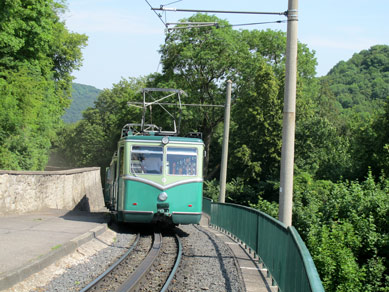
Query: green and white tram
pixel 156 178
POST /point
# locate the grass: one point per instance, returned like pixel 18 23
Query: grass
pixel 56 247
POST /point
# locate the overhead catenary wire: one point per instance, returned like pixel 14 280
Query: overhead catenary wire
pixel 205 24
pixel 171 3
pixel 190 25
pixel 164 23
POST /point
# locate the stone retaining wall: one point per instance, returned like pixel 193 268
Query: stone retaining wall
pixel 29 191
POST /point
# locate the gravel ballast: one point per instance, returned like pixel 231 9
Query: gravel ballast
pixel 78 276
pixel 207 263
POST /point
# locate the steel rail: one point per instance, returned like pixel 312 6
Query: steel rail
pixel 174 270
pixel 95 282
pixel 131 283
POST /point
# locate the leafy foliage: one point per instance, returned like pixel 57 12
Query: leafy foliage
pixel 363 80
pixel 345 227
pixel 320 150
pixel 257 114
pixel 25 126
pixel 37 56
pixel 371 146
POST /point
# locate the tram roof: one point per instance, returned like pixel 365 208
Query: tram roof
pixel 159 138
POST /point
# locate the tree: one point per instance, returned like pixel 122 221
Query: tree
pixel 258 110
pixel 257 115
pixel 371 144
pixel 25 129
pixel 200 60
pixel 37 56
pixel 381 145
pixel 320 150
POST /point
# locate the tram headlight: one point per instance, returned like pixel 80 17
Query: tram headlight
pixel 165 140
pixel 162 196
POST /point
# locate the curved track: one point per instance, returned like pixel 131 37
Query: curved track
pixel 94 284
pixel 130 273
pixel 140 273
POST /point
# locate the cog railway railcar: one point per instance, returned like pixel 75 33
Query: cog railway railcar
pixel 155 176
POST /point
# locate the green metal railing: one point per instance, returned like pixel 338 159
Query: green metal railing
pixel 207 203
pixel 280 248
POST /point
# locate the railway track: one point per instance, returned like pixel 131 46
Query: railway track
pixel 148 265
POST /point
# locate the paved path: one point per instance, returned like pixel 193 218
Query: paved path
pixel 30 242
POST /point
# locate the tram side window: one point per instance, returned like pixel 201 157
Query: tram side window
pixel 182 161
pixel 146 159
pixel 121 161
pixel 114 171
pixel 111 173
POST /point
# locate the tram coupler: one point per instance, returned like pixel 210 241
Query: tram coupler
pixel 163 208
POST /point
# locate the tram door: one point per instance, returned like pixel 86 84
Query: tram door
pixel 110 183
pixel 119 182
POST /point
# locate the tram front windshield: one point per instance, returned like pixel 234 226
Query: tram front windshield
pixel 182 161
pixel 146 159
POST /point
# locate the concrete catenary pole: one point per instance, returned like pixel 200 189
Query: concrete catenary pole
pixel 223 169
pixel 289 118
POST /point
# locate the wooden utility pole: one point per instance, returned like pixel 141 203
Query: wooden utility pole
pixel 289 118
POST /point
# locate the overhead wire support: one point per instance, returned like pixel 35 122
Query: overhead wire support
pixel 159 16
pixel 285 13
pixel 174 23
pixel 185 25
pixel 194 26
pixel 135 103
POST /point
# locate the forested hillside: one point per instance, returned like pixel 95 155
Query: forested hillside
pixel 83 96
pixel 354 99
pixel 362 83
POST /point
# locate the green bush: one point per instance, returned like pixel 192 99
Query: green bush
pixel 345 227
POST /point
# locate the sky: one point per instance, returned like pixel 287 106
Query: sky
pixel 125 35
